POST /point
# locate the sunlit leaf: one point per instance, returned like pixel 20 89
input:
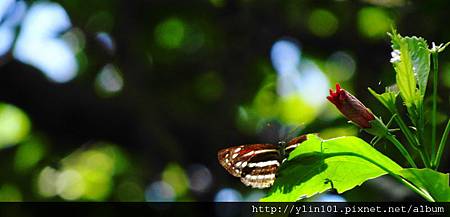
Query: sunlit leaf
pixel 310 169
pixel 434 183
pixel 387 99
pixel 420 57
pixel 403 65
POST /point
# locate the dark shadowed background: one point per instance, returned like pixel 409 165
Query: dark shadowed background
pixel 110 100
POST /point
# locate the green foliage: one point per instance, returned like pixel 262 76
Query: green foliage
pixel 402 62
pixel 387 99
pixel 411 61
pixel 316 163
pixel 436 184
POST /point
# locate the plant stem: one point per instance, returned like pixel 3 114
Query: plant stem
pixel 402 149
pixel 442 145
pixel 399 178
pixel 411 139
pixel 433 113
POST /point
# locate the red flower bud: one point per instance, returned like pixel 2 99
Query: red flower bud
pixel 351 107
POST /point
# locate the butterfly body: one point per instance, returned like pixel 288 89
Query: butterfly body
pixel 257 164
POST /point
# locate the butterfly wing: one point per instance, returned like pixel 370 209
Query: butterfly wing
pixel 293 143
pixel 255 164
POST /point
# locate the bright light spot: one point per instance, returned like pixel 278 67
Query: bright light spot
pixel 296 94
pixel 373 22
pixel 7 36
pixel 228 195
pixel 175 176
pixel 159 192
pixel 170 33
pixel 340 66
pixel 10 193
pixel 11 13
pixel 84 174
pixel 109 80
pixel 330 198
pixel 116 154
pixel 97 160
pixel 28 154
pixel 106 41
pixel 14 125
pixel 4 6
pixel 312 83
pixel 200 178
pixel 96 167
pixel 295 77
pixel 46 182
pixel 285 56
pixel 97 184
pixel 76 39
pixel 322 23
pixel 40 46
pixel 70 185
pixel 294 110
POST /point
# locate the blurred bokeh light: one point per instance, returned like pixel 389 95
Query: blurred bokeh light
pixel 14 125
pixel 131 100
pixel 39 43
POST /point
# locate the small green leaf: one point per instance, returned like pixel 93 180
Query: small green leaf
pixel 310 169
pixel 436 184
pixel 387 99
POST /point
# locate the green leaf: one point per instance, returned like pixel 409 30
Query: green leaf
pixel 420 56
pixel 411 61
pixel 436 184
pixel 403 65
pixel 414 57
pixel 317 164
pixel 387 99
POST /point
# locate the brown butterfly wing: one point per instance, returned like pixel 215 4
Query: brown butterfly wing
pixel 293 143
pixel 255 164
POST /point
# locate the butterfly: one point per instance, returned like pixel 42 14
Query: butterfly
pixel 257 164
